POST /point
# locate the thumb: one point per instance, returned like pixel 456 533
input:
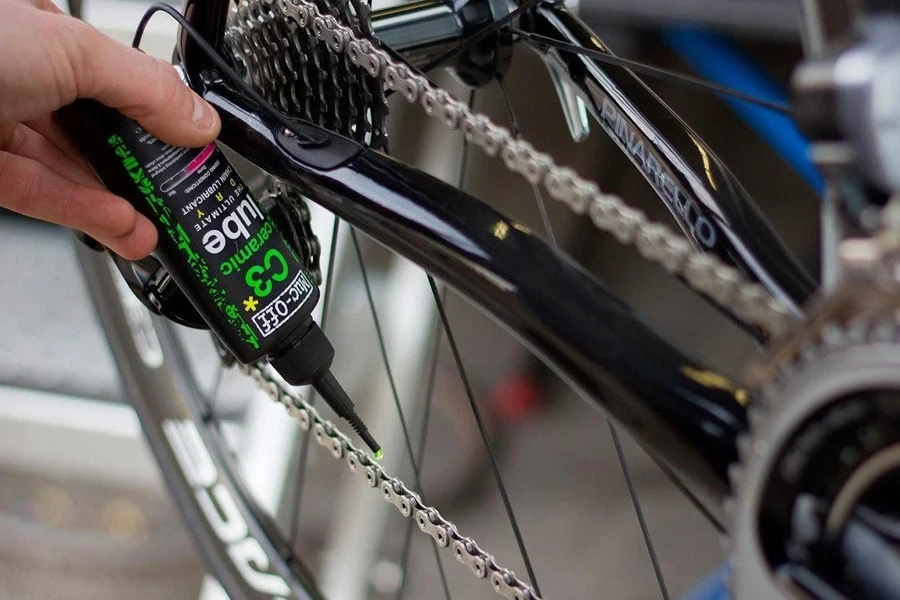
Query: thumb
pixel 141 87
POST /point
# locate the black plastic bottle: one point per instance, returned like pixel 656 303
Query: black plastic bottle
pixel 224 252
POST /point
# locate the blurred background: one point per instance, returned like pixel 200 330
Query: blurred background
pixel 84 513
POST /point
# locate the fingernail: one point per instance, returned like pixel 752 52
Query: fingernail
pixel 202 117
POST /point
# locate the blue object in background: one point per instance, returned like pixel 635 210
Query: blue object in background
pixel 718 59
pixel 713 587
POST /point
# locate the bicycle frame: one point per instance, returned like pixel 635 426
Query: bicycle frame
pixel 592 338
pixel 556 308
pixel 686 416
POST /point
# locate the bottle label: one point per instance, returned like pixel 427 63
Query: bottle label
pixel 240 261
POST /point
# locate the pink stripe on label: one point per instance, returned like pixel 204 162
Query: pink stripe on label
pixel 201 158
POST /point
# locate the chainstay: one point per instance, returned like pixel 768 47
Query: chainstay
pixel 393 490
pixel 656 242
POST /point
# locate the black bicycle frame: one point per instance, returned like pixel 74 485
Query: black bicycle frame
pixel 560 311
pixel 686 416
pixel 576 324
pixel 583 330
pixel 677 409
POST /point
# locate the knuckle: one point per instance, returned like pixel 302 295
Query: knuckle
pixel 122 226
pixel 20 187
pixel 10 199
pixel 71 207
pixel 16 140
pixel 112 216
pixel 75 28
pixel 78 71
pixel 164 92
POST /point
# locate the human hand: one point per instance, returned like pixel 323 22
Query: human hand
pixel 48 60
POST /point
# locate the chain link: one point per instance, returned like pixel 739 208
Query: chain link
pixel 656 242
pixel 393 490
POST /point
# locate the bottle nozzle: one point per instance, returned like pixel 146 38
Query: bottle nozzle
pixel 332 392
pixel 308 362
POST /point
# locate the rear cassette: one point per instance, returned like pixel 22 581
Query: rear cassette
pixel 289 67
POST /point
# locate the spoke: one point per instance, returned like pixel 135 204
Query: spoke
pixel 396 397
pixel 432 374
pixel 332 255
pixel 303 459
pixel 692 498
pixel 542 206
pixel 626 472
pixel 476 412
pixel 212 398
pixel 75 8
pixel 423 438
pixel 480 35
pixel 445 322
pixel 620 454
pixel 658 72
pixel 623 461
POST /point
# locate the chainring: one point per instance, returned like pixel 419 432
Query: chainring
pixel 828 414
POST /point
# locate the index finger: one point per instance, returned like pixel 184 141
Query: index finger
pixel 141 87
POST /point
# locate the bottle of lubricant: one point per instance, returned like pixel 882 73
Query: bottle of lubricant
pixel 221 248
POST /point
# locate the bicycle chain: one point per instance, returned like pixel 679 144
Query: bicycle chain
pixel 656 242
pixel 393 490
